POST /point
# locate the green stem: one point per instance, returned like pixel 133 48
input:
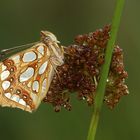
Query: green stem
pixel 105 70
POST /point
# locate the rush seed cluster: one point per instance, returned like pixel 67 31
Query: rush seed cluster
pixel 80 72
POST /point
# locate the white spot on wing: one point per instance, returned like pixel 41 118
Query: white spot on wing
pixel 34 97
pixel 22 102
pixel 16 59
pixel 35 86
pixel 44 88
pixel 5 85
pixel 44 85
pixel 5 74
pixel 8 95
pixel 29 84
pixel 43 67
pixel 41 49
pixel 3 67
pixel 29 57
pixel 28 107
pixel 39 55
pixel 15 98
pixel 26 75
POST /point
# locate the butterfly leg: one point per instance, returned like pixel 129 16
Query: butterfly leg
pixel 56 71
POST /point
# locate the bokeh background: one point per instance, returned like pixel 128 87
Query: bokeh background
pixel 21 22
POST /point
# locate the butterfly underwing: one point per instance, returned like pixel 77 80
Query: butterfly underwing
pixel 25 77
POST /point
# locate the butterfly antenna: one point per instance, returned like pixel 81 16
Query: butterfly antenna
pixel 5 52
pixel 9 50
pixel 2 55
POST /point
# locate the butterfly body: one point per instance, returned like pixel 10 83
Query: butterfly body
pixel 26 76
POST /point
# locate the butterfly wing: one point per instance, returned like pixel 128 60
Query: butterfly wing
pixel 25 78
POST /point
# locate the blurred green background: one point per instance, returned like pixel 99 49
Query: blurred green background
pixel 21 22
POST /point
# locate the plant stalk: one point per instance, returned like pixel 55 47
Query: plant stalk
pixel 105 70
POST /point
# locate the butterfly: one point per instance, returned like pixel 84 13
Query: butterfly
pixel 25 77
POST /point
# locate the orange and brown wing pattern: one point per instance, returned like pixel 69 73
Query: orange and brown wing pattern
pixel 25 78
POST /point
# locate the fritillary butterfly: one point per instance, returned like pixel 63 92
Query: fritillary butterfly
pixel 26 76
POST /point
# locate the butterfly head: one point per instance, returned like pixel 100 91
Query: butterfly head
pixel 48 37
pixel 54 45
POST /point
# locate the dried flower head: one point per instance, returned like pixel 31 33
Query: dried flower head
pixel 80 72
